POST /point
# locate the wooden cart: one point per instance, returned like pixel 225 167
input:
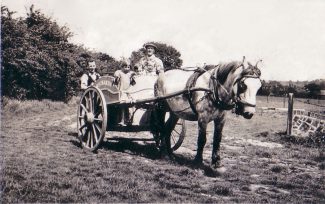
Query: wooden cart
pixel 100 109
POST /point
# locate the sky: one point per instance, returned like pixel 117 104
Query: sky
pixel 288 35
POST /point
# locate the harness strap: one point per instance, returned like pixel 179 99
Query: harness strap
pixel 214 85
pixel 190 84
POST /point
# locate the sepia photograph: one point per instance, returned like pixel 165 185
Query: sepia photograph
pixel 162 101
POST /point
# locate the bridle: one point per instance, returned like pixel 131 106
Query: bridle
pixel 234 99
pixel 256 75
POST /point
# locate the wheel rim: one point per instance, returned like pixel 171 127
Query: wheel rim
pixel 177 135
pixel 92 118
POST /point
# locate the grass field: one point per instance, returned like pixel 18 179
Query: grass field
pixel 41 161
pixel 299 103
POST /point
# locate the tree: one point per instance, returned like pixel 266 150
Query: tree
pixel 313 89
pixel 168 54
pixel 291 88
pixel 37 59
pixel 265 89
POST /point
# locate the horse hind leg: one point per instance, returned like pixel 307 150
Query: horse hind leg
pixel 158 123
pixel 217 136
pixel 169 126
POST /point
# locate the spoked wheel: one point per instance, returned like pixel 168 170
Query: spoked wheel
pixel 178 134
pixel 92 119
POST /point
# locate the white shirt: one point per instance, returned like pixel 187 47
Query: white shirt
pixel 86 81
pixel 150 65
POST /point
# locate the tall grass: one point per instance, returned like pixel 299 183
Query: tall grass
pixel 16 107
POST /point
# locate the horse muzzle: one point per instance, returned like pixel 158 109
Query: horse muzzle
pixel 245 109
pixel 248 115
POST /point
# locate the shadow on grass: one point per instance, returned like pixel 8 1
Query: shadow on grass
pixel 73 134
pixel 76 143
pixel 184 160
pixel 148 150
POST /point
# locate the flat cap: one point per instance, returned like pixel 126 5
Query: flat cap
pixel 150 45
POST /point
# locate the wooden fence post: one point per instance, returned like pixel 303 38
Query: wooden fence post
pixel 290 114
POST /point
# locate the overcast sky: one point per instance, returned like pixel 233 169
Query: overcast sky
pixel 288 35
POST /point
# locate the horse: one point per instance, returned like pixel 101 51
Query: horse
pixel 219 89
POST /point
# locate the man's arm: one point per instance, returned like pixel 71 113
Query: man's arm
pixel 98 76
pixel 159 66
pixel 117 76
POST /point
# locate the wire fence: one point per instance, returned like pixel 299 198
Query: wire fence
pixel 307 101
pixel 303 122
pixel 274 102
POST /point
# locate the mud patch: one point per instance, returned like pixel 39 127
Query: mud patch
pixel 262 189
pixel 263 144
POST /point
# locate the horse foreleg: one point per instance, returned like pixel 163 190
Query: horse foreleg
pixel 201 141
pixel 218 126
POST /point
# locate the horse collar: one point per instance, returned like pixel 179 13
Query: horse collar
pixel 214 94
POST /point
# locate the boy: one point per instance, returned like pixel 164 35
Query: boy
pixel 87 79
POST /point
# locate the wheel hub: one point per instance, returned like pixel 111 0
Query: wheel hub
pixel 90 117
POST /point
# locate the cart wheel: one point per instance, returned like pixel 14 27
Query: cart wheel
pixel 92 119
pixel 178 134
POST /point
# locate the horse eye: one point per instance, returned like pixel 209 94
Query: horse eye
pixel 242 87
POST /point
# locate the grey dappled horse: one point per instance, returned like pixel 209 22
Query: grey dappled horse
pixel 227 86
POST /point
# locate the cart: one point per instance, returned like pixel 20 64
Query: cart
pixel 100 112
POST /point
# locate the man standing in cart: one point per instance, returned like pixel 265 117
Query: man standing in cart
pixel 150 64
pixel 90 77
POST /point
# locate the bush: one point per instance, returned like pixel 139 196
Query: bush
pixel 38 61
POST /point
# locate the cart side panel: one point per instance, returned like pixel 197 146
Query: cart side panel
pixel 111 92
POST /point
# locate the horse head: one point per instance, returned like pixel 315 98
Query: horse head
pixel 245 89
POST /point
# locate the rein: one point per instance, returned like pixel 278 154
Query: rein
pixel 234 100
pixel 214 85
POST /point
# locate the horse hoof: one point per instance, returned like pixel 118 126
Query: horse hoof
pixel 171 157
pixel 166 156
pixel 216 165
pixel 198 161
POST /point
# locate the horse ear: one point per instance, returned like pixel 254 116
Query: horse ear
pixel 249 64
pixel 258 62
pixel 244 62
pixel 244 58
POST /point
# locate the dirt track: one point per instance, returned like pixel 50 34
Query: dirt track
pixel 42 162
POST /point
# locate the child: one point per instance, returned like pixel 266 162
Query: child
pixel 123 80
pixel 88 78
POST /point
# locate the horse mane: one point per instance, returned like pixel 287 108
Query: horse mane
pixel 224 69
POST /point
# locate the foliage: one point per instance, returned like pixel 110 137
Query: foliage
pixel 313 88
pixel 272 88
pixel 37 59
pixel 168 54
pixel 299 89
